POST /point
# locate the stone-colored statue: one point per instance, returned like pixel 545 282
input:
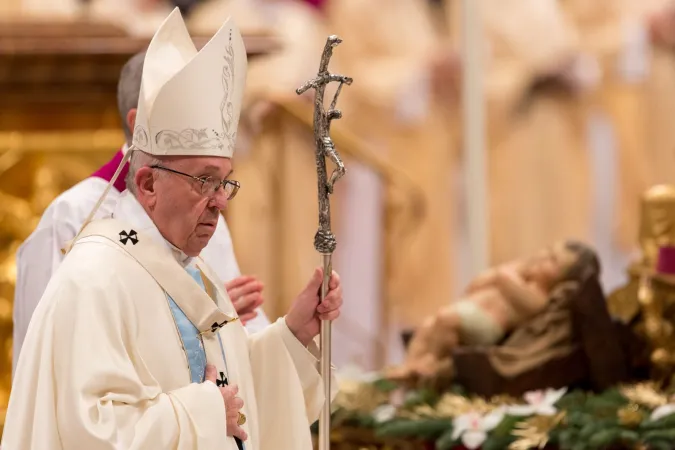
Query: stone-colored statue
pixel 494 304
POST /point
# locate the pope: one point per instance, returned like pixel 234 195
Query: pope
pixel 135 343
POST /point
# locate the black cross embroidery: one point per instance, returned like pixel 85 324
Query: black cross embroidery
pixel 217 325
pixel 222 381
pixel 130 236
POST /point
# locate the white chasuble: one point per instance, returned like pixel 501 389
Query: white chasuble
pixel 104 365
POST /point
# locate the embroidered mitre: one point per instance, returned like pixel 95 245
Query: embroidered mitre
pixel 190 100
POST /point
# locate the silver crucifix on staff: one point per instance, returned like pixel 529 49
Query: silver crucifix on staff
pixel 324 240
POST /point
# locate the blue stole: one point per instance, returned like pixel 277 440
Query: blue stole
pixel 189 334
pixel 192 343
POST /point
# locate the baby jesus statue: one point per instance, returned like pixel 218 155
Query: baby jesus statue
pixel 493 305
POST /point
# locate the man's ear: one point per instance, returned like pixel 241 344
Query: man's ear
pixel 145 186
pixel 131 119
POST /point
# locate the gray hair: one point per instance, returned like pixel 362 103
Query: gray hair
pixel 138 159
pixel 128 90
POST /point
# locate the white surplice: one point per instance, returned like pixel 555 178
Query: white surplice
pixel 103 366
pixel 40 254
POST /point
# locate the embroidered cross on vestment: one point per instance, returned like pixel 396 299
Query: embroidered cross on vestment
pixel 130 236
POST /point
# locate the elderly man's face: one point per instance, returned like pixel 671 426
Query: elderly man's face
pixel 183 215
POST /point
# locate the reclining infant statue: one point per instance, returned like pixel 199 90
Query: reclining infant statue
pixel 493 305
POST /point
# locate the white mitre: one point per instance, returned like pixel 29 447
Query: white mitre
pixel 190 100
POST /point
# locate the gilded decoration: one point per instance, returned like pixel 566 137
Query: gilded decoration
pixel 34 169
pixel 647 302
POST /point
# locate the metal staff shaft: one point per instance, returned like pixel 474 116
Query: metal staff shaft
pixel 325 369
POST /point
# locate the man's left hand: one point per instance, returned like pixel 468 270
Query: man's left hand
pixel 304 318
pixel 246 295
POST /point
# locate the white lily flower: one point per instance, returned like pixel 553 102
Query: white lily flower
pixel 474 427
pixel 384 413
pixel 354 373
pixel 540 403
pixel 663 411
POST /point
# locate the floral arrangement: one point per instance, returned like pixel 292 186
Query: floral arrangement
pixel 636 416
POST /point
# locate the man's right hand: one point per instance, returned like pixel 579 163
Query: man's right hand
pixel 232 404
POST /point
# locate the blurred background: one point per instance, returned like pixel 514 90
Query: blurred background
pixel 572 108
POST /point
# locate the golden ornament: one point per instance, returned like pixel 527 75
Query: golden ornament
pixel 533 432
pixel 503 400
pixel 359 396
pixel 450 406
pixel 630 416
pixel 645 394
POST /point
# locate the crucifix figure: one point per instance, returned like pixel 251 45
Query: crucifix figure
pixel 324 240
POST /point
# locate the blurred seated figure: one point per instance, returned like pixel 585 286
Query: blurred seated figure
pixel 139 18
pixel 296 26
pixel 494 304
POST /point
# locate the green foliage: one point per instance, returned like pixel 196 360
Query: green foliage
pixel 427 429
pixel 659 435
pixel 446 441
pixel 421 397
pixel 665 423
pixel 604 438
pixel 591 422
pixel 501 436
pixel 385 385
pixel 497 442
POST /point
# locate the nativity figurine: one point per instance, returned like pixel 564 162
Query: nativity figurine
pixel 493 305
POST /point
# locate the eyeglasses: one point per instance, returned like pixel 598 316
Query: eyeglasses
pixel 209 185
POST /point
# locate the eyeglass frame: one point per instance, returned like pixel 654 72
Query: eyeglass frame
pixel 235 184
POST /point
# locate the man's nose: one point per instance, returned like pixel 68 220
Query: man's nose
pixel 218 200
